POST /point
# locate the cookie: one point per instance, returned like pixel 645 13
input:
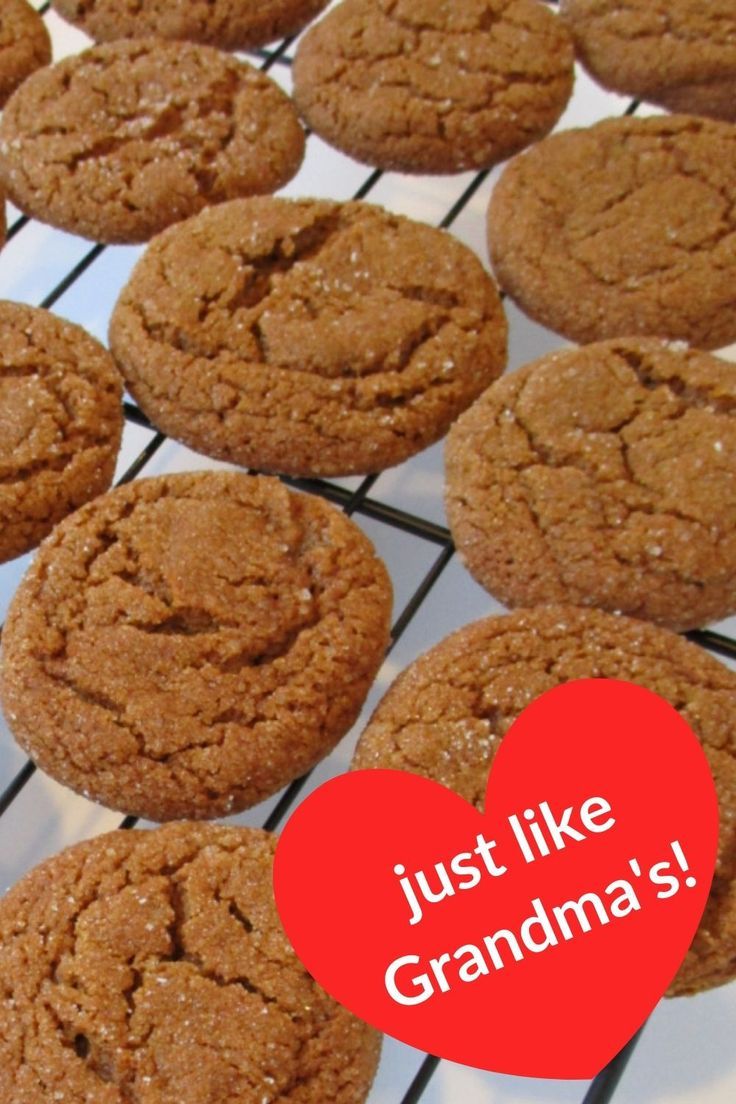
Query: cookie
pixel 446 715
pixel 152 966
pixel 603 476
pixel 61 420
pixel 121 140
pixel 186 645
pixel 625 227
pixel 24 45
pixel 229 24
pixel 435 86
pixel 680 54
pixel 307 337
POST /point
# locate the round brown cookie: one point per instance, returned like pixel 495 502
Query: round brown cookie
pixel 229 24
pixel 61 421
pixel 677 53
pixel 603 476
pixel 624 227
pixel 151 966
pixel 121 140
pixel 434 86
pixel 24 44
pixel 446 715
pixel 307 337
pixel 188 644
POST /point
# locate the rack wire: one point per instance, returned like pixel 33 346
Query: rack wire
pixel 357 501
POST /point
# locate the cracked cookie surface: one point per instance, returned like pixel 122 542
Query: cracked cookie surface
pixel 229 24
pixel 61 421
pixel 603 476
pixel 24 45
pixel 625 227
pixel 121 140
pixel 187 644
pixel 151 967
pixel 446 715
pixel 680 54
pixel 434 86
pixel 307 337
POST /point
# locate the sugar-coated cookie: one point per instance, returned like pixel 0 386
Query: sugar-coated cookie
pixel 186 645
pixel 24 45
pixel 123 139
pixel 434 86
pixel 229 24
pixel 61 420
pixel 624 227
pixel 603 476
pixel 307 337
pixel 152 966
pixel 680 54
pixel 446 715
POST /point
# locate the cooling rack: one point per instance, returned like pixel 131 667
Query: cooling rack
pixel 686 1052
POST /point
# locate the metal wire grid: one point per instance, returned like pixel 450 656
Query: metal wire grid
pixel 356 501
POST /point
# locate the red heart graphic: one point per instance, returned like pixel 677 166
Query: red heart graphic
pixel 524 962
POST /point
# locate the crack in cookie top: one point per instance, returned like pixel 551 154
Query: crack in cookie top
pixel 307 337
pixel 229 24
pixel 121 140
pixel 151 967
pixel 187 644
pixel 434 86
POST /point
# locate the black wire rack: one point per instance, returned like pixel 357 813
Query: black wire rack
pixel 356 501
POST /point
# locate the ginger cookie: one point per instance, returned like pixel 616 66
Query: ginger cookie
pixel 680 54
pixel 61 420
pixel 625 227
pixel 435 86
pixel 152 966
pixel 24 45
pixel 446 715
pixel 121 140
pixel 186 645
pixel 229 24
pixel 603 476
pixel 307 337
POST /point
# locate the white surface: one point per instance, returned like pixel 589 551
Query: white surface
pixel 687 1053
